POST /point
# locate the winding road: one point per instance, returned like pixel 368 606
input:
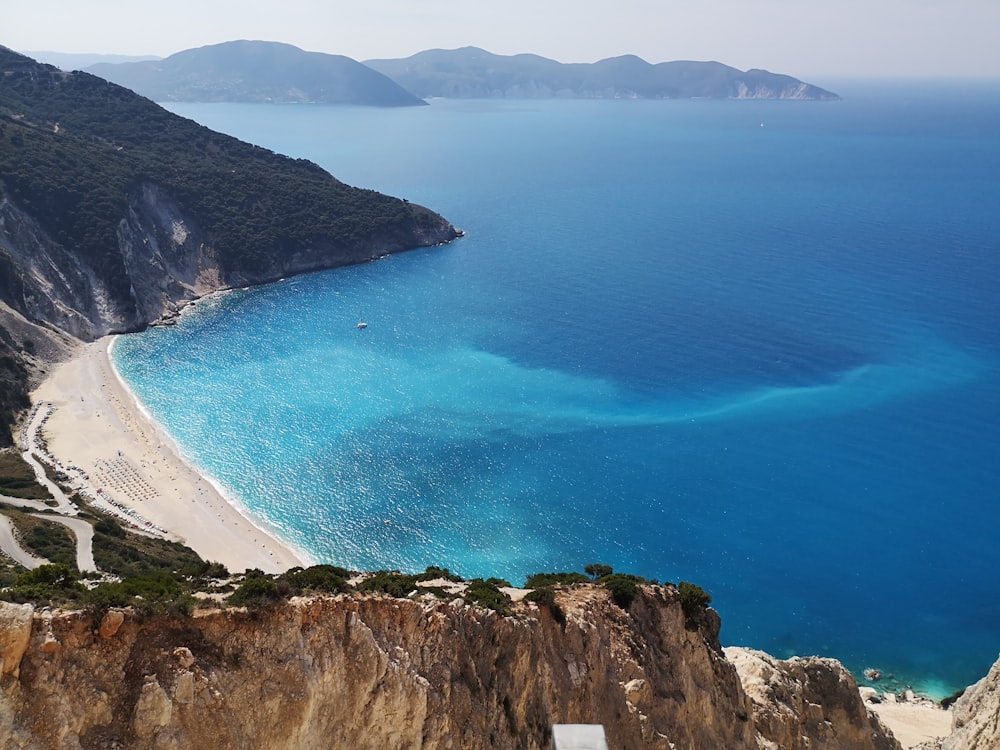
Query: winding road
pixel 13 550
pixel 65 511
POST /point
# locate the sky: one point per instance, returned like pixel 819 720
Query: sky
pixel 833 38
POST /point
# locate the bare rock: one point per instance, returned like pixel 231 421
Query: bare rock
pixel 110 623
pixel 807 704
pixel 369 671
pixel 976 716
pixel 15 633
pixel 184 657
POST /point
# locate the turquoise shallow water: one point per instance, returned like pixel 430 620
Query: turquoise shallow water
pixel 748 344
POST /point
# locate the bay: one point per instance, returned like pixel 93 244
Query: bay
pixel 752 345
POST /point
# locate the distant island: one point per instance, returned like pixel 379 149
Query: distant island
pixel 256 71
pixel 252 71
pixel 471 72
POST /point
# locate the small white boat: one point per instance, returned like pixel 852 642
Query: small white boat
pixel 361 324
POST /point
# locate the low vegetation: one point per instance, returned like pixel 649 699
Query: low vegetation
pixel 434 573
pixel 623 586
pixel 150 574
pixel 47 584
pixel 46 539
pixel 388 582
pixel 128 555
pixel 319 579
pixel 260 589
pixel 157 575
pixel 17 479
pixel 9 571
pixel 694 602
pixel 487 594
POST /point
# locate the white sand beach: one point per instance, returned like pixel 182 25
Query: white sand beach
pixel 914 722
pixel 96 425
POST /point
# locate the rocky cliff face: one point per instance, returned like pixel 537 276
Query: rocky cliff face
pixel 374 672
pixel 47 284
pixel 807 703
pixel 975 717
pixel 167 258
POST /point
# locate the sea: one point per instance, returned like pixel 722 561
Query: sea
pixel 754 345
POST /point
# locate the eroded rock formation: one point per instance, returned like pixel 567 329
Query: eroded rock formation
pixel 975 717
pixel 807 703
pixel 375 672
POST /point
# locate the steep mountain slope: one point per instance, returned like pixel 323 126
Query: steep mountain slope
pixel 255 71
pixel 473 72
pixel 113 210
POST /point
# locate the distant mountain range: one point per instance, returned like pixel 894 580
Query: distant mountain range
pixel 257 71
pixel 81 60
pixel 246 71
pixel 471 72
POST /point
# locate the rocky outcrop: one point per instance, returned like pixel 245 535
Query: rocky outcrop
pixel 167 257
pixel 807 704
pixel 15 632
pixel 374 672
pixel 976 716
pixel 46 283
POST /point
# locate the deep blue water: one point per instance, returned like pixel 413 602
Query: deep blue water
pixel 753 345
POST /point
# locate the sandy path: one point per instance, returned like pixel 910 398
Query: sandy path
pixel 96 426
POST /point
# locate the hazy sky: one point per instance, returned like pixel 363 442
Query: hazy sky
pixel 799 37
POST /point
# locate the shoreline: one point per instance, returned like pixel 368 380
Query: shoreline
pixel 912 721
pixel 97 425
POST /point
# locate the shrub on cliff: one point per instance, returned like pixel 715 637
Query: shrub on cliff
pixel 596 570
pixel 328 579
pixel 487 594
pixel 131 555
pixel 156 592
pixel 257 589
pixel 46 584
pixel 623 588
pixel 389 582
pixel 694 600
pixel 433 572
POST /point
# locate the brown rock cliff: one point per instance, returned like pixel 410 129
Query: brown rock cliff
pixel 376 672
